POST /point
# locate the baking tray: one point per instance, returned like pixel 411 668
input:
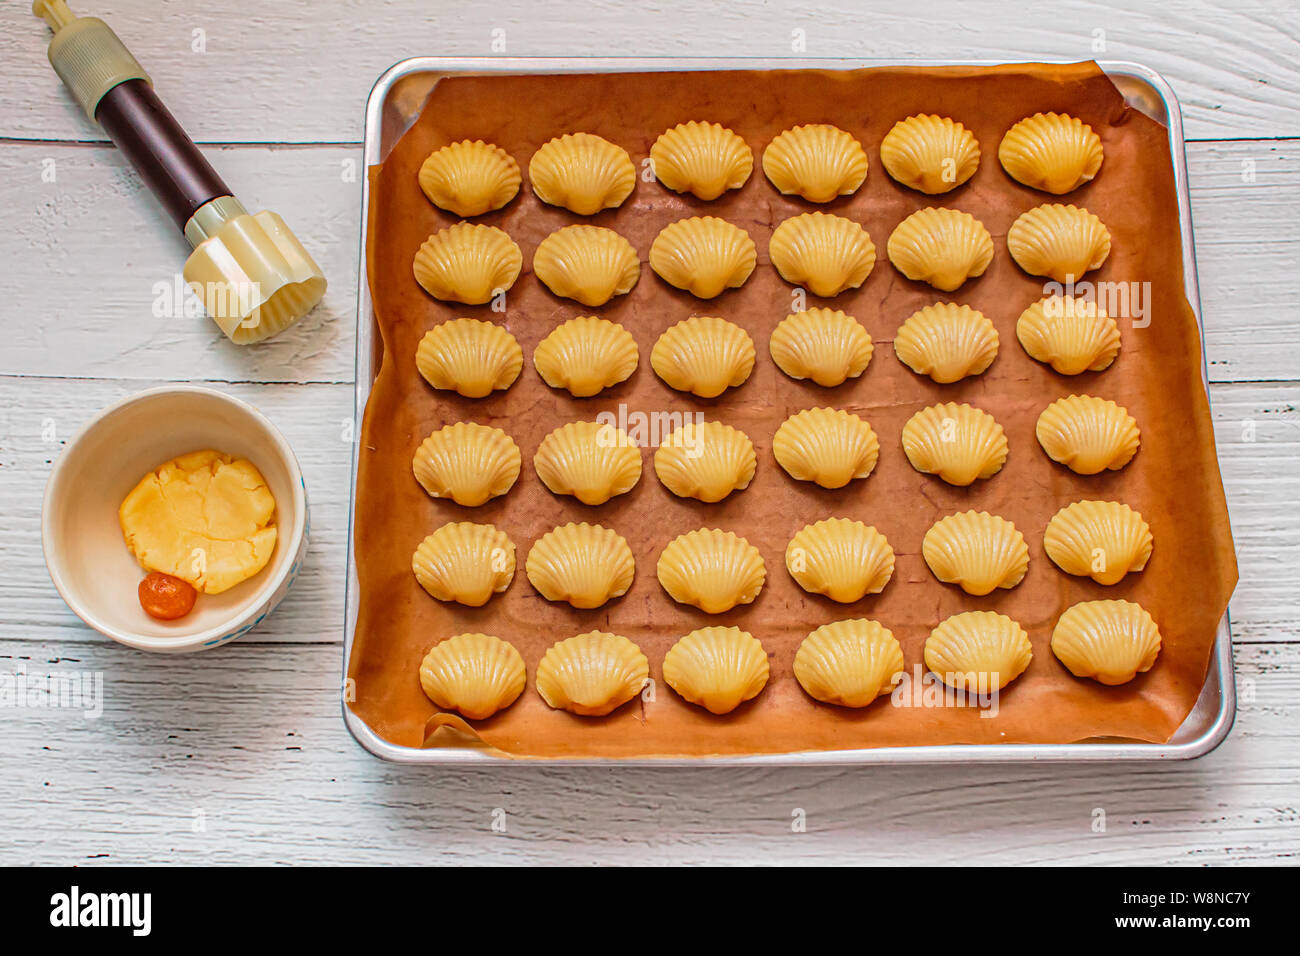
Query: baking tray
pixel 392 106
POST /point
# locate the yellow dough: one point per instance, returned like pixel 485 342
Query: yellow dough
pixel 824 445
pixel 583 173
pixel 586 355
pixel 468 463
pixel 1060 242
pixel 849 663
pixel 712 570
pixel 818 162
pixel 947 342
pixel 589 264
pixel 703 255
pixel 705 460
pixel 1052 152
pixel 583 564
pixel 1102 540
pixel 943 247
pixel 465 562
pixel 592 674
pixel 958 443
pixel 930 153
pixel 470 357
pixel 976 551
pixel 205 517
pixel 475 674
pixel 978 651
pixel 825 254
pixel 840 558
pixel 824 345
pixel 703 355
pixel 703 159
pixel 1110 641
pixel 470 178
pixel 717 668
pixel 1088 435
pixel 1071 335
pixel 589 460
pixel 467 263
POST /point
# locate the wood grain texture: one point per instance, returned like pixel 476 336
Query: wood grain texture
pixel 101 320
pixel 264 72
pixel 248 739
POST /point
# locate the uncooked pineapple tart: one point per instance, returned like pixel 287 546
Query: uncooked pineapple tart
pixel 582 172
pixel 589 264
pixel 718 668
pixel 467 262
pixel 1072 335
pixel 1059 242
pixel 593 674
pixel 825 254
pixel 849 663
pixel 704 159
pixel 1088 435
pixel 976 551
pixel 824 345
pixel 470 178
pixel 1053 152
pixel 593 461
pixel 978 651
pixel 942 247
pixel 1102 540
pixel 959 443
pixel 467 462
pixel 475 674
pixel 206 518
pixel 703 255
pixel 818 162
pixel 841 558
pixel 470 357
pixel 584 565
pixel 1110 641
pixel 712 570
pixel 947 342
pixel 586 355
pixel 827 446
pixel 703 355
pixel 465 563
pixel 932 154
pixel 705 460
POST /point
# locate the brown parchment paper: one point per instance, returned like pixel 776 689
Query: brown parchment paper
pixel 1174 480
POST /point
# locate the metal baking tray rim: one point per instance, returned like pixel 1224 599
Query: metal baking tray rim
pixel 1205 727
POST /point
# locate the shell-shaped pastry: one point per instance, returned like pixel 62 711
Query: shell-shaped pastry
pixel 943 247
pixel 704 255
pixel 825 254
pixel 703 355
pixel 958 443
pixel 583 564
pixel 827 446
pixel 1102 540
pixel 589 264
pixel 470 357
pixel 593 461
pixel 582 172
pixel 591 674
pixel 465 562
pixel 1060 242
pixel 824 345
pixel 467 463
pixel 1087 434
pixel 470 178
pixel 1052 152
pixel 976 551
pixel 1071 335
pixel 475 674
pixel 979 651
pixel 705 460
pixel 947 342
pixel 930 153
pixel 849 663
pixel 1110 641
pixel 712 570
pixel 467 263
pixel 586 355
pixel 840 558
pixel 818 162
pixel 704 159
pixel 718 668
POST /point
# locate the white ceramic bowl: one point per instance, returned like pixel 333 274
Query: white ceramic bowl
pixel 88 560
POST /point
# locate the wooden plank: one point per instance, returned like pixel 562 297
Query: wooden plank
pixel 299 72
pixel 83 299
pixel 1258 430
pixel 240 756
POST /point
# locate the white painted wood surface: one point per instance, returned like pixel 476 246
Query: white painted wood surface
pixel 240 755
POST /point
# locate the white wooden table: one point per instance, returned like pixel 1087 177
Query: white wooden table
pixel 239 755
